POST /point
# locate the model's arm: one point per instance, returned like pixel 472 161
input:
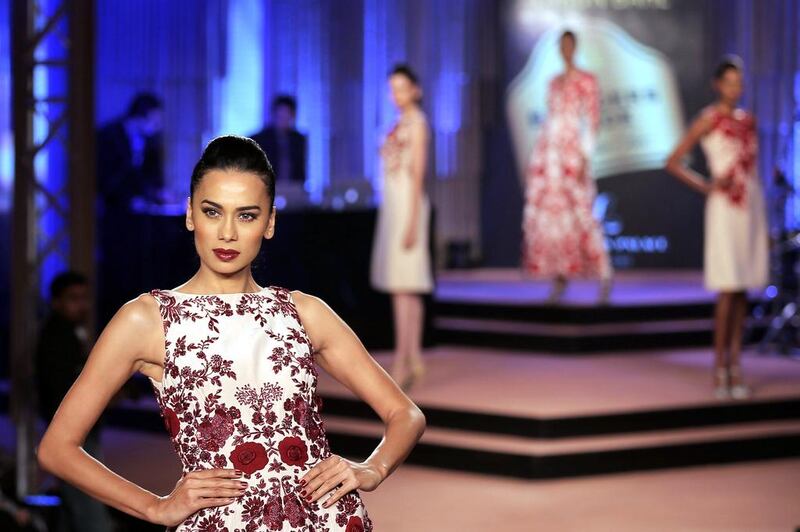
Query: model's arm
pixel 419 162
pixel 675 164
pixel 341 354
pixel 592 104
pixel 133 340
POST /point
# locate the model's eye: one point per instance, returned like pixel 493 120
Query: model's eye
pixel 211 213
pixel 248 216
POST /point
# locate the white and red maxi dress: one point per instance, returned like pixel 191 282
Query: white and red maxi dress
pixel 561 238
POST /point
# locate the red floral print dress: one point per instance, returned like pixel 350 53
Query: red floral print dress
pixel 561 236
pixel 736 254
pixel 239 391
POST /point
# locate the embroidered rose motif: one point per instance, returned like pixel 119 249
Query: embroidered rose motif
pixel 171 422
pixel 355 524
pixel 273 513
pixel 294 511
pixel 249 457
pixel 293 451
pixel 214 431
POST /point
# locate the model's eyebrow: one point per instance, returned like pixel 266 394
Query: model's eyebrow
pixel 218 206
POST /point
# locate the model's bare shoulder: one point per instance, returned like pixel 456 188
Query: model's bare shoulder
pixel 309 308
pixel 320 322
pixel 136 330
pixel 142 311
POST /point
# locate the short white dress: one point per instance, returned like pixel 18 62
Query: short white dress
pixel 393 268
pixel 736 234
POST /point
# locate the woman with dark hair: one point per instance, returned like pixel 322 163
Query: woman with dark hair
pixel 233 369
pixel 562 239
pixel 736 246
pixel 401 264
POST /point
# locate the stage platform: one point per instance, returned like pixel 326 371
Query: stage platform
pixel 501 308
pixel 539 416
pixel 543 416
pixel 507 395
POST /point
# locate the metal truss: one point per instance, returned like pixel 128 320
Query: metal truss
pixel 53 216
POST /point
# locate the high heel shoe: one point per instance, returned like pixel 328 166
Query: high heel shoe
pixel 418 371
pixel 738 389
pixel 721 390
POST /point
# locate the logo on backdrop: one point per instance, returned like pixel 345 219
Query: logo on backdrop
pixel 641 114
pixel 624 246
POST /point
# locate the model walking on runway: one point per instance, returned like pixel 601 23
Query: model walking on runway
pixel 233 368
pixel 562 239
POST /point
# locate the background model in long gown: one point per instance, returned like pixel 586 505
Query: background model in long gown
pixel 561 237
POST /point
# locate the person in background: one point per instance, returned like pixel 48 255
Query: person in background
pixel 736 256
pixel 401 262
pixel 284 145
pixel 61 353
pixel 561 238
pixel 130 154
pixel 129 165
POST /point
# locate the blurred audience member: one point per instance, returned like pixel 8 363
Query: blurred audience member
pixel 60 355
pixel 129 165
pixel 284 145
pixel 130 154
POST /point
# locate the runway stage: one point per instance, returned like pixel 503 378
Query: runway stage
pixel 500 308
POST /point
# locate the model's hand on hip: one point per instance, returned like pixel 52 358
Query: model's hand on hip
pixel 195 491
pixel 338 476
pixel 722 183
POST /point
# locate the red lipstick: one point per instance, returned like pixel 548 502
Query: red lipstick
pixel 226 255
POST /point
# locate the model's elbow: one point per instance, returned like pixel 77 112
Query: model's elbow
pixel 672 166
pixel 45 455
pixel 49 454
pixel 418 421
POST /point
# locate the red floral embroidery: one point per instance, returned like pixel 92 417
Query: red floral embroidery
pixel 393 149
pixel 294 510
pixel 738 128
pixel 560 234
pixel 249 457
pixel 273 513
pixel 355 524
pixel 252 406
pixel 214 431
pixel 171 422
pixel 293 451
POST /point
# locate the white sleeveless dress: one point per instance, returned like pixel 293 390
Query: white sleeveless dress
pixel 736 254
pixel 239 391
pixel 394 268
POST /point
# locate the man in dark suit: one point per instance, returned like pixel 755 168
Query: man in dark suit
pixel 60 355
pixel 129 165
pixel 284 145
pixel 130 154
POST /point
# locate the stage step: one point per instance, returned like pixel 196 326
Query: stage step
pixel 532 459
pixel 589 425
pixel 503 309
pixel 576 329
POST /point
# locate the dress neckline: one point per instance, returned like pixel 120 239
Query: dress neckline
pixel 217 294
